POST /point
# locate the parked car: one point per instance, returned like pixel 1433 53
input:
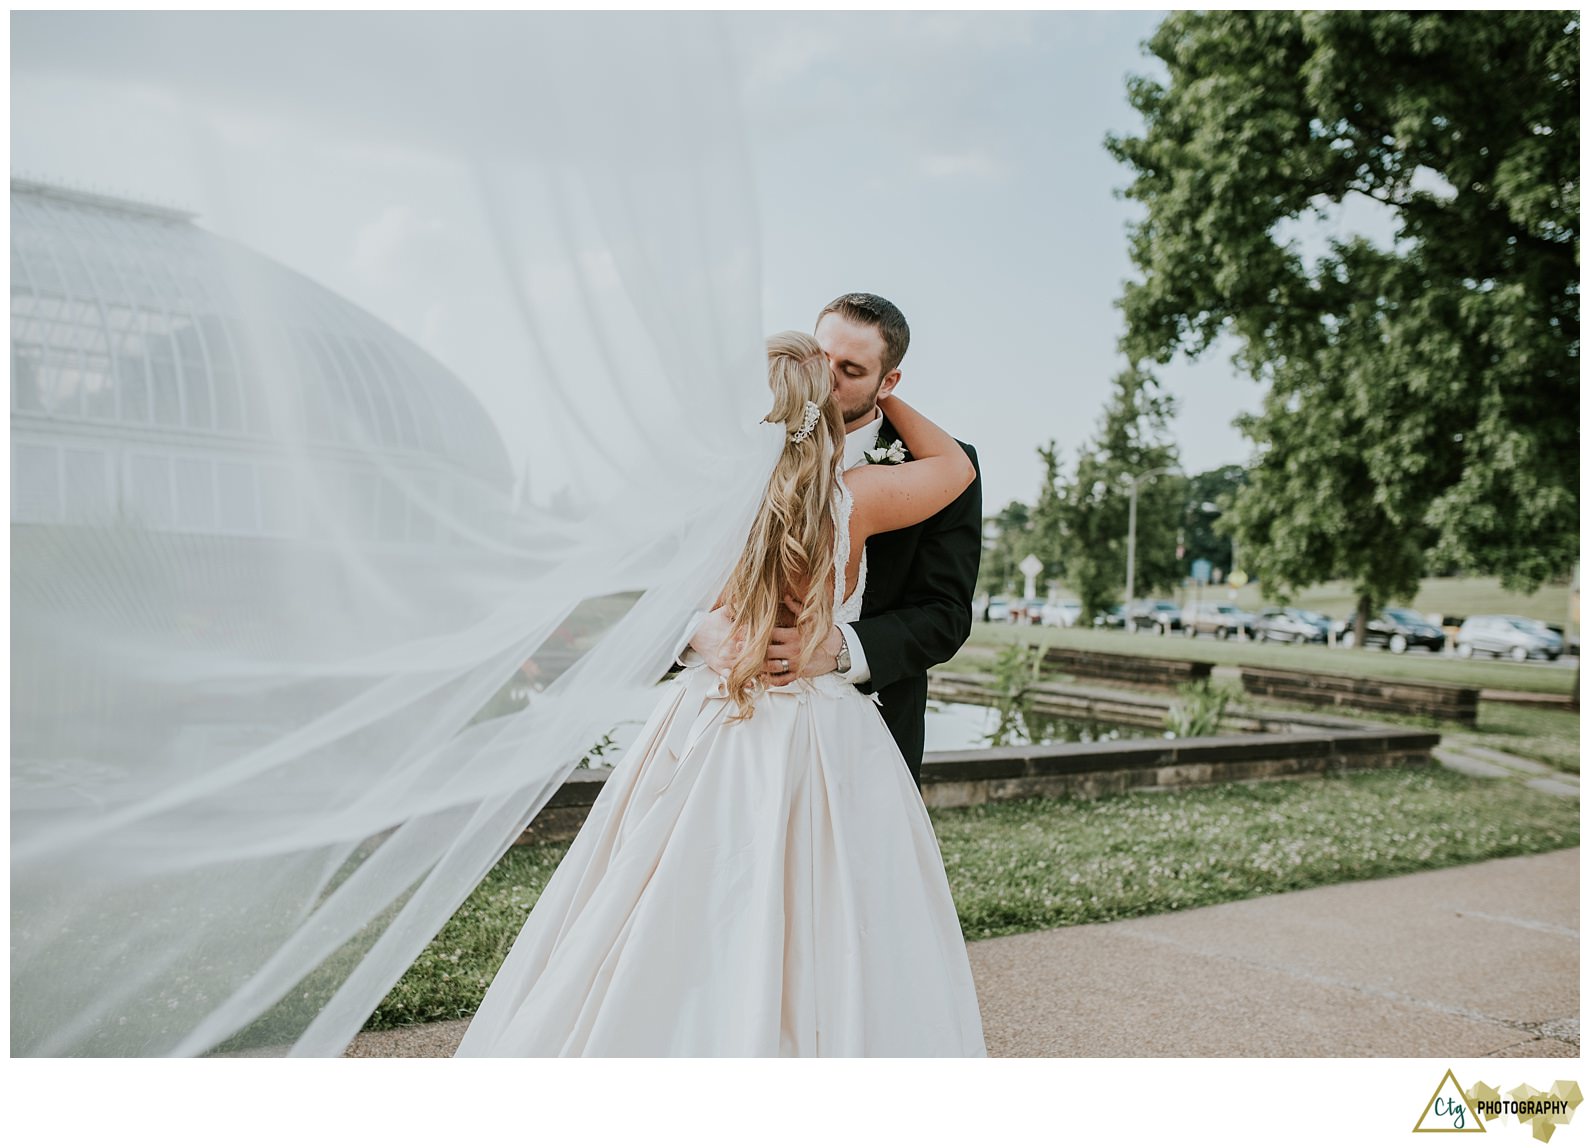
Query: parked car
pixel 1062 613
pixel 998 609
pixel 1026 611
pixel 1396 628
pixel 1157 614
pixel 1112 619
pixel 1290 624
pixel 1570 645
pixel 1499 634
pixel 1221 619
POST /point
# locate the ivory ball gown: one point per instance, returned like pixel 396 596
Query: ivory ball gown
pixel 771 887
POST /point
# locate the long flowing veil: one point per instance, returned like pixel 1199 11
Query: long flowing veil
pixel 384 400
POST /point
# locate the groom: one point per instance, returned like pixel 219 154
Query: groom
pixel 916 611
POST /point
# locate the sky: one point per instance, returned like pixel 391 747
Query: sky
pixel 968 183
pixel 951 162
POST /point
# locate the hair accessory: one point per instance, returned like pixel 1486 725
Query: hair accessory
pixel 813 413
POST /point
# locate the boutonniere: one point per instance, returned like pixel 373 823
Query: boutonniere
pixel 886 453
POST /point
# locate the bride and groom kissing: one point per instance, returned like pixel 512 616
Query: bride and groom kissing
pixel 759 875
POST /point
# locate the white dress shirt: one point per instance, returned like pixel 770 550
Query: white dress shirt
pixel 857 443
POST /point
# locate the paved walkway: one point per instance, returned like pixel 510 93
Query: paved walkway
pixel 1465 756
pixel 1480 960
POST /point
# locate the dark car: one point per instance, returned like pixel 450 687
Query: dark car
pixel 1112 619
pixel 1157 614
pixel 1290 624
pixel 1396 628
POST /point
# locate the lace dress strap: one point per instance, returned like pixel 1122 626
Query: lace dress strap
pixel 846 609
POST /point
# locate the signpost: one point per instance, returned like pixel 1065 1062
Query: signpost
pixel 1030 568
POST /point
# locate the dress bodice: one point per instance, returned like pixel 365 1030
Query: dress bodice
pixel 846 608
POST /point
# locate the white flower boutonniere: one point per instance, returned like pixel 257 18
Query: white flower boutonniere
pixel 887 453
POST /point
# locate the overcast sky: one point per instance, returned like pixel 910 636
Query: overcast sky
pixel 969 184
pixel 952 162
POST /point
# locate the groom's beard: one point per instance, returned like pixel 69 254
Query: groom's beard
pixel 864 409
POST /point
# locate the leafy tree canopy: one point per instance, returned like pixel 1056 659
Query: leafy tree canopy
pixel 1423 399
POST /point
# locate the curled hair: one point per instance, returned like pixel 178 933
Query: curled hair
pixel 791 546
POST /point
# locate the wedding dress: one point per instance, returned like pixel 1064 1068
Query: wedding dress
pixel 771 887
pixel 368 451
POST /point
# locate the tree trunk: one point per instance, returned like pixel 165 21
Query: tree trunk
pixel 1361 623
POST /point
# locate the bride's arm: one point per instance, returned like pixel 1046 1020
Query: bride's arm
pixel 894 497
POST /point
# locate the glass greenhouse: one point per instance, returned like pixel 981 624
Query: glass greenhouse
pixel 139 395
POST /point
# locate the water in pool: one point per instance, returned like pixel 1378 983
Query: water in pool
pixel 959 725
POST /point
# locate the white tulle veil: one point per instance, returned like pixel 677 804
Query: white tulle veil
pixel 320 588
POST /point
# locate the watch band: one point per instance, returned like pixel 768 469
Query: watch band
pixel 842 663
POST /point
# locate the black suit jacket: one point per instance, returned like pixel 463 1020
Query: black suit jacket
pixel 916 611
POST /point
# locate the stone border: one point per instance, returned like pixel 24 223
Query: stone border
pixel 1137 669
pixel 1542 701
pixel 1388 695
pixel 1090 769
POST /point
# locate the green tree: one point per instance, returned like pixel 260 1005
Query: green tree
pixel 1005 544
pixel 1207 533
pixel 1047 534
pixel 1423 400
pixel 1092 511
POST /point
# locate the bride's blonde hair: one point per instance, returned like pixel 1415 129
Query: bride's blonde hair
pixel 791 547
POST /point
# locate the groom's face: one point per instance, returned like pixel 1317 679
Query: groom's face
pixel 855 354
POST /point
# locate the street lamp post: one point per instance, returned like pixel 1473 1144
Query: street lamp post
pixel 1131 534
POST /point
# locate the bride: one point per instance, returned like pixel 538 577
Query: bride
pixel 759 876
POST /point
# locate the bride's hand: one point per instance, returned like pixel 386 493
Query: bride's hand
pixel 715 642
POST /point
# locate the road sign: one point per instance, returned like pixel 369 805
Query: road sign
pixel 1031 567
pixel 1201 569
pixel 1237 579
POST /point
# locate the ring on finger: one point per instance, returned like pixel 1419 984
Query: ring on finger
pixel 783 665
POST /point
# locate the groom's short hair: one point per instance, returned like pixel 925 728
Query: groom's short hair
pixel 875 311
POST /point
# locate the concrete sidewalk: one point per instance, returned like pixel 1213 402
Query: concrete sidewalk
pixel 1480 960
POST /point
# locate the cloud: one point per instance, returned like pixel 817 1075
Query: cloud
pixel 973 163
pixel 403 245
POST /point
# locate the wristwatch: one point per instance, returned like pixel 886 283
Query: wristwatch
pixel 842 663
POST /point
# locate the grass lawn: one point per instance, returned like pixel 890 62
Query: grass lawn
pixel 1018 866
pixel 450 977
pixel 1548 736
pixel 1533 677
pixel 1041 863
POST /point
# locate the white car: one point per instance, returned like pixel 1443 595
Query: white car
pixel 1499 634
pixel 1061 613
